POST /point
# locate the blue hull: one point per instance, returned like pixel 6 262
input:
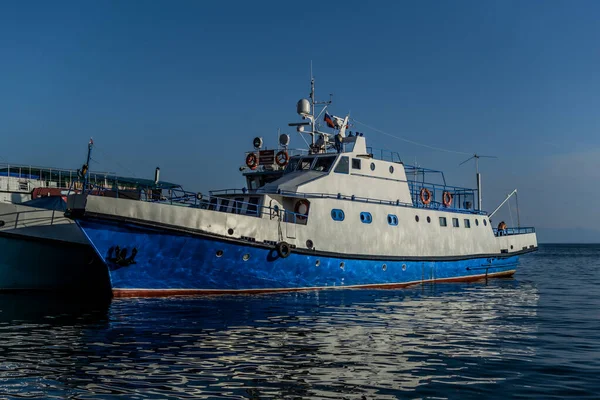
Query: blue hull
pixel 168 262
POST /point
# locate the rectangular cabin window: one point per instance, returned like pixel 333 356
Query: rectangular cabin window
pixel 292 164
pixel 323 164
pixel 343 166
pixel 455 222
pixel 305 163
pixel 443 221
pixel 252 206
pixel 356 163
pixel 467 223
pixel 238 205
pixel 224 205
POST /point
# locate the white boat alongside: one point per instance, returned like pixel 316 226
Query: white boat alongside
pixel 338 217
pixel 40 249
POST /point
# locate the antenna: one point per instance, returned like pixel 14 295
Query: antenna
pixel 477 175
pixel 307 109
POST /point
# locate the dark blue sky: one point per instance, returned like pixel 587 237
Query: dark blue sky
pixel 187 85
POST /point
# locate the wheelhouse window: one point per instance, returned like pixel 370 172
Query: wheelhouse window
pixel 323 164
pixel 356 163
pixel 305 163
pixel 292 164
pixel 343 166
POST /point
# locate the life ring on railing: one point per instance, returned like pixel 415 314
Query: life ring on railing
pixel 282 158
pixel 301 209
pixel 252 161
pixel 447 199
pixel 283 249
pixel 425 196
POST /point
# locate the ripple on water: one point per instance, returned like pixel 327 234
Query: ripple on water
pixel 533 336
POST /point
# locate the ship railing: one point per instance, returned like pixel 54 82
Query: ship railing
pixel 20 175
pixel 228 205
pixel 384 155
pixel 462 198
pixel 513 231
pixel 180 197
pixel 339 196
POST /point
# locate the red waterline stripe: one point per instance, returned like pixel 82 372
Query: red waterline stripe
pixel 197 292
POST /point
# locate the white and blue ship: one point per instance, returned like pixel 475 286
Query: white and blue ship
pixel 337 216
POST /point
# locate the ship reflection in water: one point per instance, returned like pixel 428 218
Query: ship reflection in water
pixel 353 344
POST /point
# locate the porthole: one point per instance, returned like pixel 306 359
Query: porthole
pixel 342 265
pixel 476 222
pixel 246 257
pixel 391 169
pixel 230 231
pixel 428 220
pixel 337 215
pixel 366 218
pixel 384 267
pixel 219 253
pixel 317 263
pixel 403 267
pixel 309 244
pixel 511 246
pixel 484 222
pixel 417 218
pixel 372 166
pixel 392 220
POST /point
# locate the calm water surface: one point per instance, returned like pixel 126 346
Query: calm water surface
pixel 534 336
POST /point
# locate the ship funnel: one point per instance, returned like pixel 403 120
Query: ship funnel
pixel 156 175
pixel 303 107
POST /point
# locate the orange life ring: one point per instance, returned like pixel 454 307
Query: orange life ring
pixel 282 158
pixel 301 209
pixel 252 161
pixel 447 199
pixel 425 196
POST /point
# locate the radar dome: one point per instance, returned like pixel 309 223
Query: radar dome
pixel 303 107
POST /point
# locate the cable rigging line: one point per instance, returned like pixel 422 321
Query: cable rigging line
pixel 410 141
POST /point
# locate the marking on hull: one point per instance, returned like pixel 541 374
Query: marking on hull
pixel 196 292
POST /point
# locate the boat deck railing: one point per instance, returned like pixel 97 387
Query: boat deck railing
pixel 513 231
pixel 434 205
pixel 181 197
pixel 384 155
pixel 462 198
